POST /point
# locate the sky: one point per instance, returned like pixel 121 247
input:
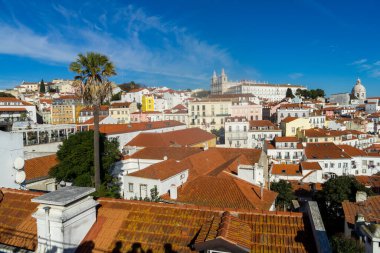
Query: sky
pixel 179 43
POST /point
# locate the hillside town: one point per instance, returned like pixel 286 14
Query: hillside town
pixel 245 167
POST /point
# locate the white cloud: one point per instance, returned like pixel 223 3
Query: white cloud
pixel 146 44
pixel 359 62
pixel 295 75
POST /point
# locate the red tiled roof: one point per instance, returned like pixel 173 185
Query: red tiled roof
pixel 285 139
pixel 12 109
pixel 260 123
pixel 120 105
pixel 310 166
pixel 158 153
pixel 286 169
pixel 17 227
pixel 183 138
pixel 369 181
pixel 352 151
pixel 369 208
pixel 89 109
pixel 159 227
pixel 224 191
pixel 326 150
pixel 289 119
pixel 90 121
pixel 37 168
pixel 110 129
pixel 162 170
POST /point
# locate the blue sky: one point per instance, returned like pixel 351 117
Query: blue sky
pixel 320 44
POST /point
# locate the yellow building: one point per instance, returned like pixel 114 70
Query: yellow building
pixel 147 102
pixel 291 125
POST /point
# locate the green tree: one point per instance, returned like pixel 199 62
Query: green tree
pixel 341 244
pixel 6 95
pixel 285 193
pixel 154 194
pixel 93 71
pixel 42 86
pixel 289 93
pixel 76 162
pixel 116 97
pixel 330 199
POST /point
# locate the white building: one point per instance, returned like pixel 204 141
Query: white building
pixel 284 150
pixel 293 110
pixel 134 95
pixel 14 104
pixel 241 133
pixel 273 92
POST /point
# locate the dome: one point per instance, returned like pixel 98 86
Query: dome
pixel 359 90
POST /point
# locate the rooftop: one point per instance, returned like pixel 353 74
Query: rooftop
pixel 158 153
pixel 110 129
pixel 158 227
pixel 369 208
pixel 326 150
pixel 39 168
pixel 286 169
pixel 64 196
pixel 182 138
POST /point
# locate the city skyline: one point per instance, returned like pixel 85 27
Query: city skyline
pixel 179 46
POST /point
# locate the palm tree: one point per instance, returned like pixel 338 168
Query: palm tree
pixel 93 87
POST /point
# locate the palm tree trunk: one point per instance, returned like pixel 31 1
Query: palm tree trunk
pixel 96 148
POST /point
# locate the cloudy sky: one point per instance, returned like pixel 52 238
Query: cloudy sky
pixel 320 44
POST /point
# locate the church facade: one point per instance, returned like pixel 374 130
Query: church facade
pixel 271 92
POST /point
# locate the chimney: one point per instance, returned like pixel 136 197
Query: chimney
pixel 64 218
pixel 205 146
pixel 361 196
pixel 173 191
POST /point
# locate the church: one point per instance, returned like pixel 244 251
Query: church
pixel 357 96
pixel 263 90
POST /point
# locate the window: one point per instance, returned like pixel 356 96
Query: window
pixel 130 187
pixel 364 171
pixel 326 165
pixel 339 165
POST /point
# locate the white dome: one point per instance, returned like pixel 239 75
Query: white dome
pixel 359 90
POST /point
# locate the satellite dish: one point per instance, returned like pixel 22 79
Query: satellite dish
pixel 20 177
pixel 19 163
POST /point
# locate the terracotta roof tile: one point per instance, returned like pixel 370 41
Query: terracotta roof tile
pixel 260 123
pixel 110 129
pixel 17 227
pixel 310 166
pixel 352 151
pixel 158 226
pixel 286 169
pixel 12 109
pixel 162 170
pixel 39 168
pixel 370 209
pixel 158 153
pixel 326 150
pixel 183 138
pixel 285 139
pixel 289 119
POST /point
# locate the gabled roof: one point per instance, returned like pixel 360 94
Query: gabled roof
pixel 260 123
pixel 159 227
pixel 325 150
pixel 352 151
pixel 12 109
pixel 369 208
pixel 285 139
pixel 90 121
pixel 286 169
pixel 183 138
pixel 110 129
pixel 39 168
pixel 17 227
pixel 289 119
pixel 224 191
pixel 162 170
pixel 234 231
pixel 310 166
pixel 121 105
pixel 158 153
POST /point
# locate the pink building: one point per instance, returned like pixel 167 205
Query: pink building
pixel 249 110
pixel 146 116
